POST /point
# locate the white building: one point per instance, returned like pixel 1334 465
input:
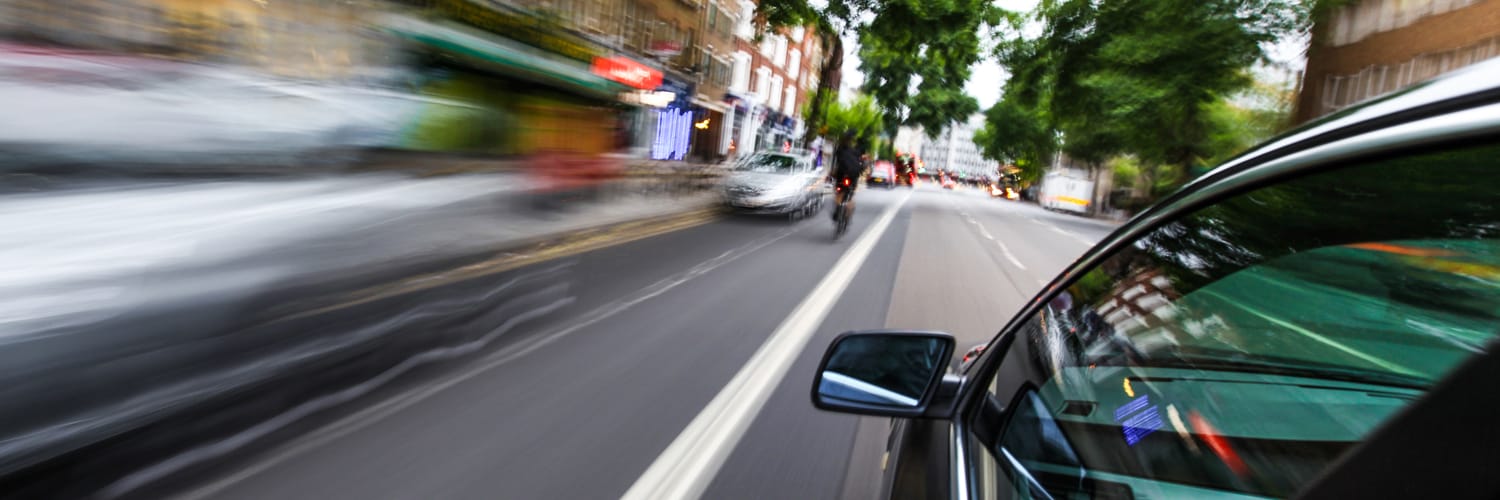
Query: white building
pixel 909 140
pixel 954 150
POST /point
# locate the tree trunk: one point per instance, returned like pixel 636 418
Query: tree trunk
pixel 828 81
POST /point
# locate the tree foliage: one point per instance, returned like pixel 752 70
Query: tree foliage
pixel 860 116
pixel 1017 135
pixel 1140 76
pixel 916 54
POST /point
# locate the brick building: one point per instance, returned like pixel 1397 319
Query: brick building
pixel 1374 47
pixel 773 74
pixel 667 74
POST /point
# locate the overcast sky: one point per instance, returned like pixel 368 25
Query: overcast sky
pixel 988 78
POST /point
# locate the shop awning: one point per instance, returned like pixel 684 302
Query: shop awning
pixel 504 56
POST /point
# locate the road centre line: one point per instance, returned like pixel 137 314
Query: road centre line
pixel 376 412
pixel 689 464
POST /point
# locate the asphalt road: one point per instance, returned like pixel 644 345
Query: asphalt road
pixel 582 404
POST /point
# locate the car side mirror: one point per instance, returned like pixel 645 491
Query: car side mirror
pixel 883 373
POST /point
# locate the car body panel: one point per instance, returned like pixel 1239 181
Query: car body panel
pixel 798 190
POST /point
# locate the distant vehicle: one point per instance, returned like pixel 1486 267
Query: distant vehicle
pixel 949 183
pixel 775 183
pixel 882 173
pixel 1313 319
pixel 906 171
pixel 1006 192
pixel 1061 191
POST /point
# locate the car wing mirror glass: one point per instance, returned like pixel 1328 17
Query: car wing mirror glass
pixel 888 373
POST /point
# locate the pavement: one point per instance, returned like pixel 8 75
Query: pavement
pixel 666 337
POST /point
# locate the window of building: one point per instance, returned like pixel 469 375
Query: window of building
pixel 768 45
pixel 740 80
pixel 762 81
pixel 794 63
pixel 779 58
pixel 646 26
pixel 790 106
pixel 628 20
pixel 775 97
pixel 798 33
pixel 744 28
pixel 722 77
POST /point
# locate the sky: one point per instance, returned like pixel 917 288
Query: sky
pixel 988 79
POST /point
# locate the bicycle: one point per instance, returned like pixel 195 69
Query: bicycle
pixel 843 207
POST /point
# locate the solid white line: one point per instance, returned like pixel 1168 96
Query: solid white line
pixel 685 469
pixel 372 414
pixel 1009 256
pixel 1064 232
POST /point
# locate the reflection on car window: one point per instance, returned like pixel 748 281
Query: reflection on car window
pixel 1242 349
pixel 768 163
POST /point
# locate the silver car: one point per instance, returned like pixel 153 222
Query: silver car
pixel 775 183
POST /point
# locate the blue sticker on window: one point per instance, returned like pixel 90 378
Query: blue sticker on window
pixel 1137 419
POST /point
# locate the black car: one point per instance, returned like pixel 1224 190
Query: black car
pixel 1315 318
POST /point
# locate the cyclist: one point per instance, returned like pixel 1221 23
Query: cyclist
pixel 848 164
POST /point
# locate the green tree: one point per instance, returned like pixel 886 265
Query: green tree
pixel 860 116
pixel 916 54
pixel 1140 76
pixel 1018 135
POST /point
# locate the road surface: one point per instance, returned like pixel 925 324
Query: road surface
pixel 584 404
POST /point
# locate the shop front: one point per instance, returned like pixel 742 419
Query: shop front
pixel 536 95
pixel 674 130
pixel 709 129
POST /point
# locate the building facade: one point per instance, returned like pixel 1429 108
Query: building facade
pixel 662 79
pixel 909 140
pixel 1374 47
pixel 773 74
pixel 954 150
pixel 303 39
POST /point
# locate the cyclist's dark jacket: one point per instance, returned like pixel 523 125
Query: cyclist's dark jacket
pixel 847 162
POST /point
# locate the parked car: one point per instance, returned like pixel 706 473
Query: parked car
pixel 775 183
pixel 1314 318
pixel 882 173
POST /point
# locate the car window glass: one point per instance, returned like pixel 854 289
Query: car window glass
pixel 768 164
pixel 1242 349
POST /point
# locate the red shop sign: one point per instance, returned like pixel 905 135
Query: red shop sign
pixel 628 72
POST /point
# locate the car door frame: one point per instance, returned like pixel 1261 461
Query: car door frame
pixel 1444 121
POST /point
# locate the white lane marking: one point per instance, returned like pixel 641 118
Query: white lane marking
pixel 1003 249
pixel 1009 256
pixel 1064 232
pixel 374 413
pixel 690 463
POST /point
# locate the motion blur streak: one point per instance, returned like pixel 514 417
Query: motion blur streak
pixel 243 438
pixel 238 235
